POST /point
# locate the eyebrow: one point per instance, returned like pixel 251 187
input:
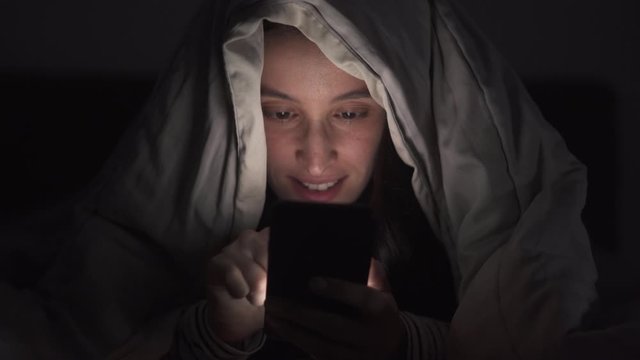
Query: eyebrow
pixel 267 91
pixel 354 94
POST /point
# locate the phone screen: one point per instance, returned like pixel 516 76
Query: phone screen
pixel 312 239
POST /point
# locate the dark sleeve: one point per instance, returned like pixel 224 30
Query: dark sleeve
pixel 194 339
pixel 426 337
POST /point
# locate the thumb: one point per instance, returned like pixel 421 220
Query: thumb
pixel 378 276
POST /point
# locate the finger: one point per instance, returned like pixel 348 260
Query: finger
pixel 255 275
pixel 242 276
pixel 262 253
pixel 364 299
pixel 378 276
pixel 247 252
pixel 224 274
pixel 329 325
pixel 308 339
pixel 254 245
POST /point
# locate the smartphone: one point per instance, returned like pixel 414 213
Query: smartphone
pixel 314 239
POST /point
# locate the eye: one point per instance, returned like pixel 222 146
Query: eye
pixel 350 115
pixel 281 116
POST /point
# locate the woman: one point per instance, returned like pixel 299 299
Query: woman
pixel 323 135
pixel 492 179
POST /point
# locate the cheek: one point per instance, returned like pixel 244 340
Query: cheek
pixel 369 156
pixel 363 152
pixel 371 144
pixel 277 152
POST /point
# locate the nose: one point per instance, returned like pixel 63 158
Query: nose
pixel 317 151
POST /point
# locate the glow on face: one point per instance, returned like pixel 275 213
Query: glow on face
pixel 322 127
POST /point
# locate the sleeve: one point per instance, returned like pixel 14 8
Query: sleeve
pixel 426 337
pixel 194 339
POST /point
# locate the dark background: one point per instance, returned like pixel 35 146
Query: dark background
pixel 74 72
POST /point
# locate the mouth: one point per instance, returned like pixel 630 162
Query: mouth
pixel 319 187
pixel 324 191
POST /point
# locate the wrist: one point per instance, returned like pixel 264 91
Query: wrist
pixel 234 343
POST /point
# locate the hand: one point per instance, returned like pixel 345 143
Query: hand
pixel 236 287
pixel 374 332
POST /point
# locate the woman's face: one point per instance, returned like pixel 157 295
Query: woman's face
pixel 322 127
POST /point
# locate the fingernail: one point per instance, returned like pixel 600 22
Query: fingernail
pixel 317 284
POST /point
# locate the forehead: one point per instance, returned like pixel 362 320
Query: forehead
pixel 287 44
pixel 292 63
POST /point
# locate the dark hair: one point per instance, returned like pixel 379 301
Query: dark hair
pixel 416 262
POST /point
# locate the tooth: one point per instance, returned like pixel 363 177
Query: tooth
pixel 319 187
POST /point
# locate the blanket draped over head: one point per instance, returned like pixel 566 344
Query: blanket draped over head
pixel 496 183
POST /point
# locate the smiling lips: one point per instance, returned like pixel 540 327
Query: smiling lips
pixel 319 187
pixel 324 191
